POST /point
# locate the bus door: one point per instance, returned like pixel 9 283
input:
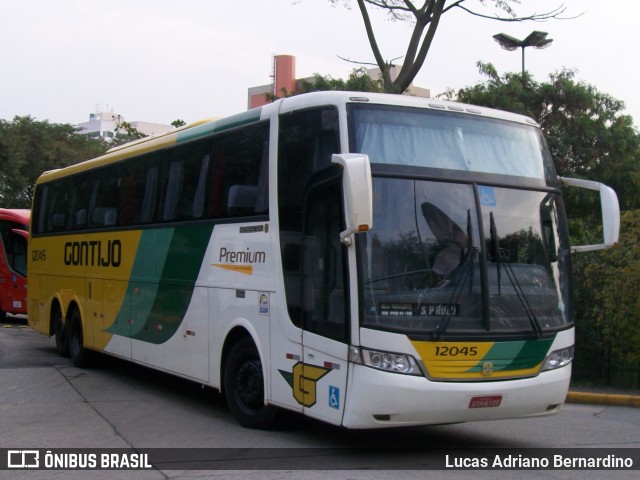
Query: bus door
pixel 315 334
pixel 325 318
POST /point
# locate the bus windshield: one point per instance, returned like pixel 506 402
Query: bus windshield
pixel 449 140
pixel 422 269
pixel 450 255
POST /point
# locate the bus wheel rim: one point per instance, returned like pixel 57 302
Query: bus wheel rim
pixel 249 386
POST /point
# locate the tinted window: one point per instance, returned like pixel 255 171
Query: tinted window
pixel 307 140
pixel 105 197
pixel 15 246
pixel 239 185
pixel 216 177
pixel 140 190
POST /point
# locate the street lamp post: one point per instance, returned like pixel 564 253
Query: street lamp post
pixel 534 39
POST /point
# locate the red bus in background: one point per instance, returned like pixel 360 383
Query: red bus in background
pixel 14 225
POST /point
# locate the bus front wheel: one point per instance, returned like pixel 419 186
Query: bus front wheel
pixel 244 386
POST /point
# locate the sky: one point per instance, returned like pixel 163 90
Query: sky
pixel 162 60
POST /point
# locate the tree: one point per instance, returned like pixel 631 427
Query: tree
pixel 589 137
pixel 358 81
pixel 587 133
pixel 608 310
pixel 425 16
pixel 178 123
pixel 29 147
pixel 125 133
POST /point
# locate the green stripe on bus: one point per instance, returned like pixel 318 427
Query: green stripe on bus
pixel 533 353
pixel 515 355
pixel 205 129
pixel 154 309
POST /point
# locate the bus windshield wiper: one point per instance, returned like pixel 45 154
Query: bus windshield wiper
pixel 467 266
pixel 502 258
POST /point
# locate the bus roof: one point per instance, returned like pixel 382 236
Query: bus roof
pixel 149 144
pixel 18 215
pixel 206 127
pixel 338 97
pixel 163 134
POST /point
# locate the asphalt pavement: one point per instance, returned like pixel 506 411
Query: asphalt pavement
pixel 47 403
pixel 23 356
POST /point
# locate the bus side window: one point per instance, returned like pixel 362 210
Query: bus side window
pixel 17 246
pixel 323 293
pixel 40 204
pixel 307 139
pixel 240 179
pixel 196 157
pixel 79 205
pixel 140 184
pixel 173 191
pixel 186 170
pixel 57 209
pixel 103 205
pixel 148 206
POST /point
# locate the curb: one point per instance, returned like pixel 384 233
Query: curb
pixel 610 399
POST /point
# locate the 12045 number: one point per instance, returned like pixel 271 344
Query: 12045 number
pixel 453 351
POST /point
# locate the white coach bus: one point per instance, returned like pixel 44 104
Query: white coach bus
pixel 368 260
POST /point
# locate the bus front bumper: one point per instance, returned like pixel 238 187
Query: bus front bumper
pixel 379 399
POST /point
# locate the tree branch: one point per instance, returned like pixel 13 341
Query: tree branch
pixel 536 17
pixel 407 75
pixel 387 6
pixel 357 62
pixel 384 69
pixel 426 15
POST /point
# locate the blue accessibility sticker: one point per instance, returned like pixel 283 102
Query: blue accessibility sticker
pixel 334 397
pixel 487 196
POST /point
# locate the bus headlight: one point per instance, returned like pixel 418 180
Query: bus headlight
pixel 558 358
pixel 386 361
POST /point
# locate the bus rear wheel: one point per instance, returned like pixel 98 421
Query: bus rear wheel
pixel 244 386
pixel 59 332
pixel 80 356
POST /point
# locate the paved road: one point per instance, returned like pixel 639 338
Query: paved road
pixel 45 402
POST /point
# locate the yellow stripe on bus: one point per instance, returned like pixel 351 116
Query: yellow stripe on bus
pixel 471 360
pixel 246 269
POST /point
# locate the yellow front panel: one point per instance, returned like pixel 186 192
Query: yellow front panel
pixel 489 360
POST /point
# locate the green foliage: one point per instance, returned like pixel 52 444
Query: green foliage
pixel 125 133
pixel 178 123
pixel 588 137
pixel 608 309
pixel 587 133
pixel 358 81
pixel 29 147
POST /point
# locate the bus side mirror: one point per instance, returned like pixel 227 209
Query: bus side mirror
pixel 610 213
pixel 358 193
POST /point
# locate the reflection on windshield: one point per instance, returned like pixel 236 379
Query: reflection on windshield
pixel 427 268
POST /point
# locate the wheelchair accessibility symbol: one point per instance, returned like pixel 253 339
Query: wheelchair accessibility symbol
pixel 334 397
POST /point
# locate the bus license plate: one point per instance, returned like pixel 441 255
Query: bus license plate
pixel 485 402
